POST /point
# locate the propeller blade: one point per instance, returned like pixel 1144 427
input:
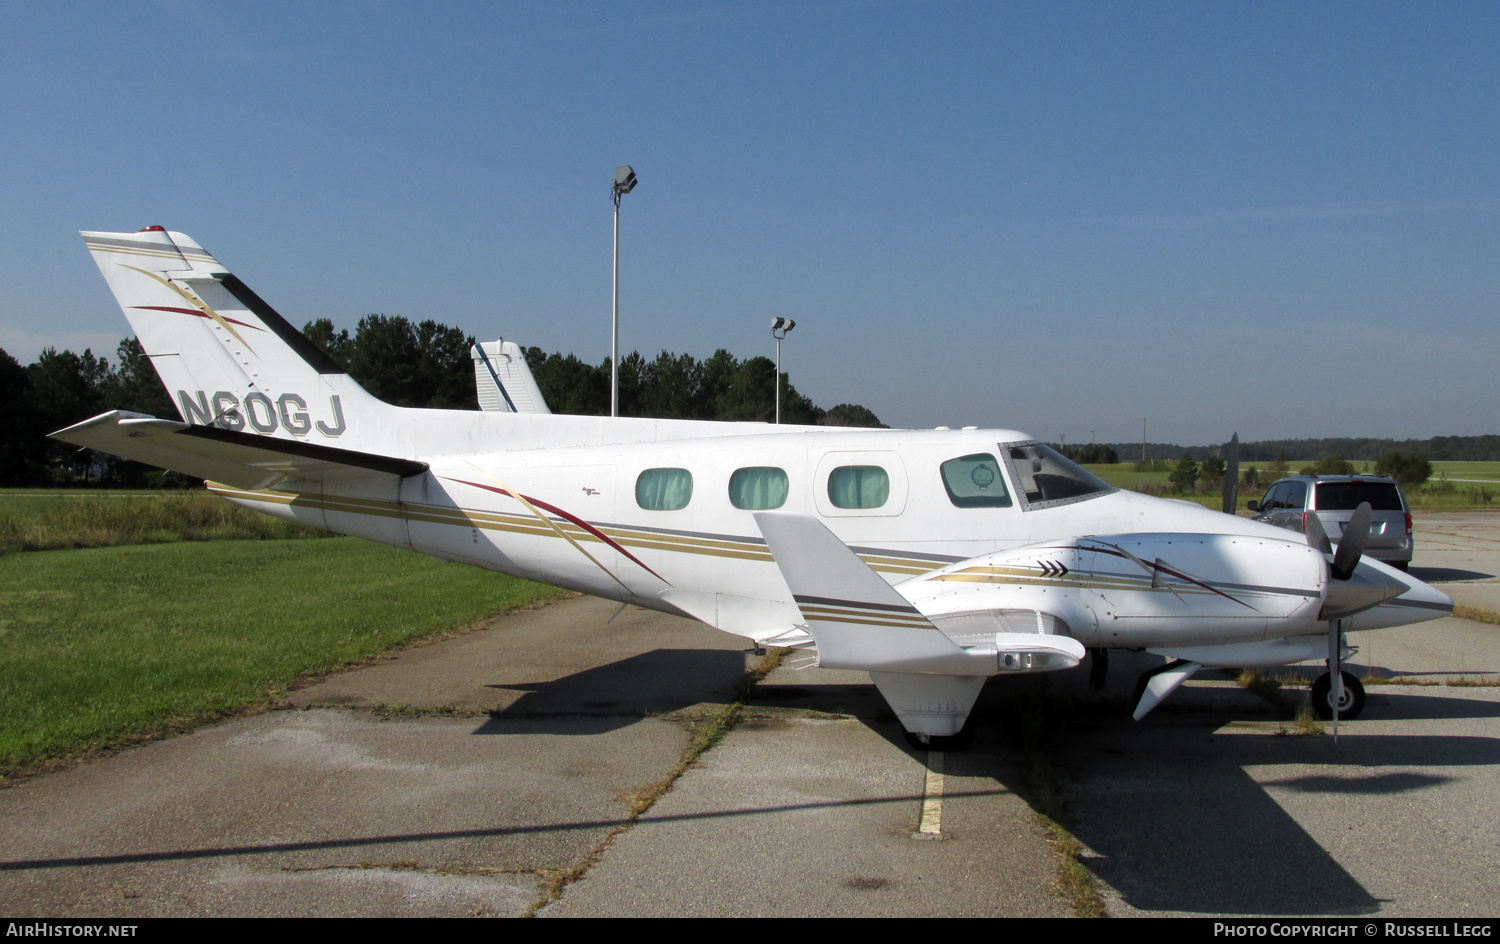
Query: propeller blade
pixel 1352 545
pixel 1317 538
pixel 1232 474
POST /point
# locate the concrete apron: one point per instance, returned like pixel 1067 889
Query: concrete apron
pixel 512 752
pixel 463 777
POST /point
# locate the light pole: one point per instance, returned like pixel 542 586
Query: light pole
pixel 624 183
pixel 780 328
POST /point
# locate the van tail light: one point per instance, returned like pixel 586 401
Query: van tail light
pixel 1408 522
pixel 1304 521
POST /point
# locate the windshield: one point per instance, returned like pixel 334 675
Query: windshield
pixel 1346 496
pixel 1047 478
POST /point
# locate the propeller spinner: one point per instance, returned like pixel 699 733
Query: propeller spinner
pixel 1352 588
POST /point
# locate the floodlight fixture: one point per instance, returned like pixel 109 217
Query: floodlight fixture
pixel 779 329
pixel 624 182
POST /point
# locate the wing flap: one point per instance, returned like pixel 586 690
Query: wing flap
pixel 241 459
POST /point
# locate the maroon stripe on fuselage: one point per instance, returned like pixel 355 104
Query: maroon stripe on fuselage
pixel 570 518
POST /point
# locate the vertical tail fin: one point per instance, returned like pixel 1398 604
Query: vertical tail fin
pixel 503 380
pixel 227 358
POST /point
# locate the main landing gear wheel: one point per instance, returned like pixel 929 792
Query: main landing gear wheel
pixel 933 742
pixel 1350 705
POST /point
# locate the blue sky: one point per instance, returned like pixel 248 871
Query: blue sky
pixel 1281 219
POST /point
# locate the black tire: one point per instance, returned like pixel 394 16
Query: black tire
pixel 1402 566
pixel 1354 697
pixel 950 743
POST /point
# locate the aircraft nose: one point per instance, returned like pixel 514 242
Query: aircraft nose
pixel 1424 594
pixel 1367 587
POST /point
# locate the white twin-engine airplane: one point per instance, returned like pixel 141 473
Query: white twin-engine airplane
pixel 933 559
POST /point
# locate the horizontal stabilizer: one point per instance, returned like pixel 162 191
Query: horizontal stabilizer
pixel 243 460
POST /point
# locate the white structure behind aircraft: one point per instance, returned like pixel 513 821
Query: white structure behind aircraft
pixel 932 559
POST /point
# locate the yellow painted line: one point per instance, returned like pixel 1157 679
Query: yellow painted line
pixel 931 826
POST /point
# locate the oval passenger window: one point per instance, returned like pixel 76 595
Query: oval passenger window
pixel 664 489
pixel 759 488
pixel 859 486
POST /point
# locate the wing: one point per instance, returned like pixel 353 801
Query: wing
pixel 243 460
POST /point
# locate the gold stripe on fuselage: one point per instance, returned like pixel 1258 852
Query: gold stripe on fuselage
pixel 528 525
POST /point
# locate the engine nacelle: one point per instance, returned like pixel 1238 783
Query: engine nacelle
pixel 1132 590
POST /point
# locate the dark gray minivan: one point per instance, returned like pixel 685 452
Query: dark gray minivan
pixel 1333 498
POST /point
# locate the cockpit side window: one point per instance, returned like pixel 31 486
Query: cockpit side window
pixel 975 482
pixel 1046 478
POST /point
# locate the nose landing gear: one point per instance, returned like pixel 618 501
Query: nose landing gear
pixel 1350 705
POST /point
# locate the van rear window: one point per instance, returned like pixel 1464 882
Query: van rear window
pixel 1346 496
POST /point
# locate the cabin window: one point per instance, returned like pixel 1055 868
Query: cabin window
pixel 664 489
pixel 975 482
pixel 858 486
pixel 758 488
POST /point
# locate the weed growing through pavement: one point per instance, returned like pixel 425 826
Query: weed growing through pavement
pixel 704 735
pixel 1077 881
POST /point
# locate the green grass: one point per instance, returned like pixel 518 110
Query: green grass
pixel 107 647
pixel 40 521
pixel 1487 471
pixel 1124 475
pixel 1437 494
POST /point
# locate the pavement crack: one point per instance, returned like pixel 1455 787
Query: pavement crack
pixel 410 865
pixel 705 733
pixel 1077 881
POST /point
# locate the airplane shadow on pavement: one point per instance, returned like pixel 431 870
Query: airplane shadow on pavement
pixel 620 693
pixel 1447 574
pixel 1171 816
pixel 1174 821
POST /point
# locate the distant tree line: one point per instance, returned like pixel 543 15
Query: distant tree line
pixel 1437 449
pixel 1090 454
pixel 62 388
pixel 418 364
pixel 428 364
pixel 1187 475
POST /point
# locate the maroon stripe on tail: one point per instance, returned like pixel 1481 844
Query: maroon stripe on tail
pixel 198 314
